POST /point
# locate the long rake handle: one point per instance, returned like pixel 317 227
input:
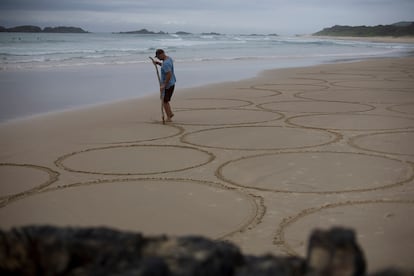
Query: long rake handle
pixel 161 94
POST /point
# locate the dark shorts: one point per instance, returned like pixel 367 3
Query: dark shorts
pixel 168 93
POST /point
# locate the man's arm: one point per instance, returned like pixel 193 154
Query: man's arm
pixel 166 81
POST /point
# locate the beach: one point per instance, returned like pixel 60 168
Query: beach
pixel 260 162
pixel 42 73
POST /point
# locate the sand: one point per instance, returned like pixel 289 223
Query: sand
pixel 259 162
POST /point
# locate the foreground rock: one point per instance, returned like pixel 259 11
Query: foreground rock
pixel 36 250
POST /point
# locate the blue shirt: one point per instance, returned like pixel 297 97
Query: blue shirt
pixel 168 66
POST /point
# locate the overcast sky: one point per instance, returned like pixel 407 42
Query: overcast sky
pixel 224 16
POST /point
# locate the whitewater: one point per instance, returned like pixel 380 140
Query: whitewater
pixel 47 72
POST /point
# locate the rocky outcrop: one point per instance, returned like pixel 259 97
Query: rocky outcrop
pixel 210 33
pixel 45 250
pixel 23 29
pixel 63 29
pixel 396 30
pixel 36 29
pixel 182 33
pixel 143 31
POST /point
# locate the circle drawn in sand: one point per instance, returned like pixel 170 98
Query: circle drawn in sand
pixel 129 133
pixel 22 178
pixel 150 206
pixel 407 108
pixel 351 122
pixel 252 92
pixel 134 159
pixel 400 143
pixel 377 84
pixel 286 87
pixel 359 96
pixel 387 229
pixel 213 103
pixel 338 76
pixel 259 138
pixel 316 172
pixel 315 106
pixel 206 117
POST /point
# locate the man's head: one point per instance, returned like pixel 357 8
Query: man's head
pixel 160 54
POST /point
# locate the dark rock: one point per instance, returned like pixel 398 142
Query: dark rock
pixel 36 29
pixel 63 29
pixel 211 33
pixel 182 33
pixel 335 252
pixel 25 29
pixel 46 250
pixel 143 31
pixel 269 265
pixel 393 272
pixel 396 30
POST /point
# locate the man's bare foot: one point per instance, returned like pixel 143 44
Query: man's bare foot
pixel 169 117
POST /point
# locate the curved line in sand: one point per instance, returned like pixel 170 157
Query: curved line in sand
pixel 279 236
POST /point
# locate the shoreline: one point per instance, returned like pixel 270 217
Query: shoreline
pixel 62 82
pixel 81 95
pixel 102 86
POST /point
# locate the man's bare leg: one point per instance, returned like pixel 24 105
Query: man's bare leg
pixel 168 111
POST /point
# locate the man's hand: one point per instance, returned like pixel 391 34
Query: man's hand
pixel 162 88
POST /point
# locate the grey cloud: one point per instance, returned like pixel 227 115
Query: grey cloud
pixel 288 16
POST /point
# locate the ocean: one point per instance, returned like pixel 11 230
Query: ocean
pixel 46 72
pixel 33 50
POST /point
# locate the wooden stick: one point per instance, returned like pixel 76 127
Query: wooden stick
pixel 161 93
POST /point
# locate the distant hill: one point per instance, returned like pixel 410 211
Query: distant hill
pixel 396 30
pixel 211 33
pixel 402 24
pixel 63 29
pixel 182 33
pixel 142 31
pixel 36 29
pixel 23 29
pixel 145 31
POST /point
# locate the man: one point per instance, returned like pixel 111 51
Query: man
pixel 167 80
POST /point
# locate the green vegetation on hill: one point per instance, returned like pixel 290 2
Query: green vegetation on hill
pixel 63 29
pixel 36 29
pixel 142 31
pixel 396 30
pixel 23 29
